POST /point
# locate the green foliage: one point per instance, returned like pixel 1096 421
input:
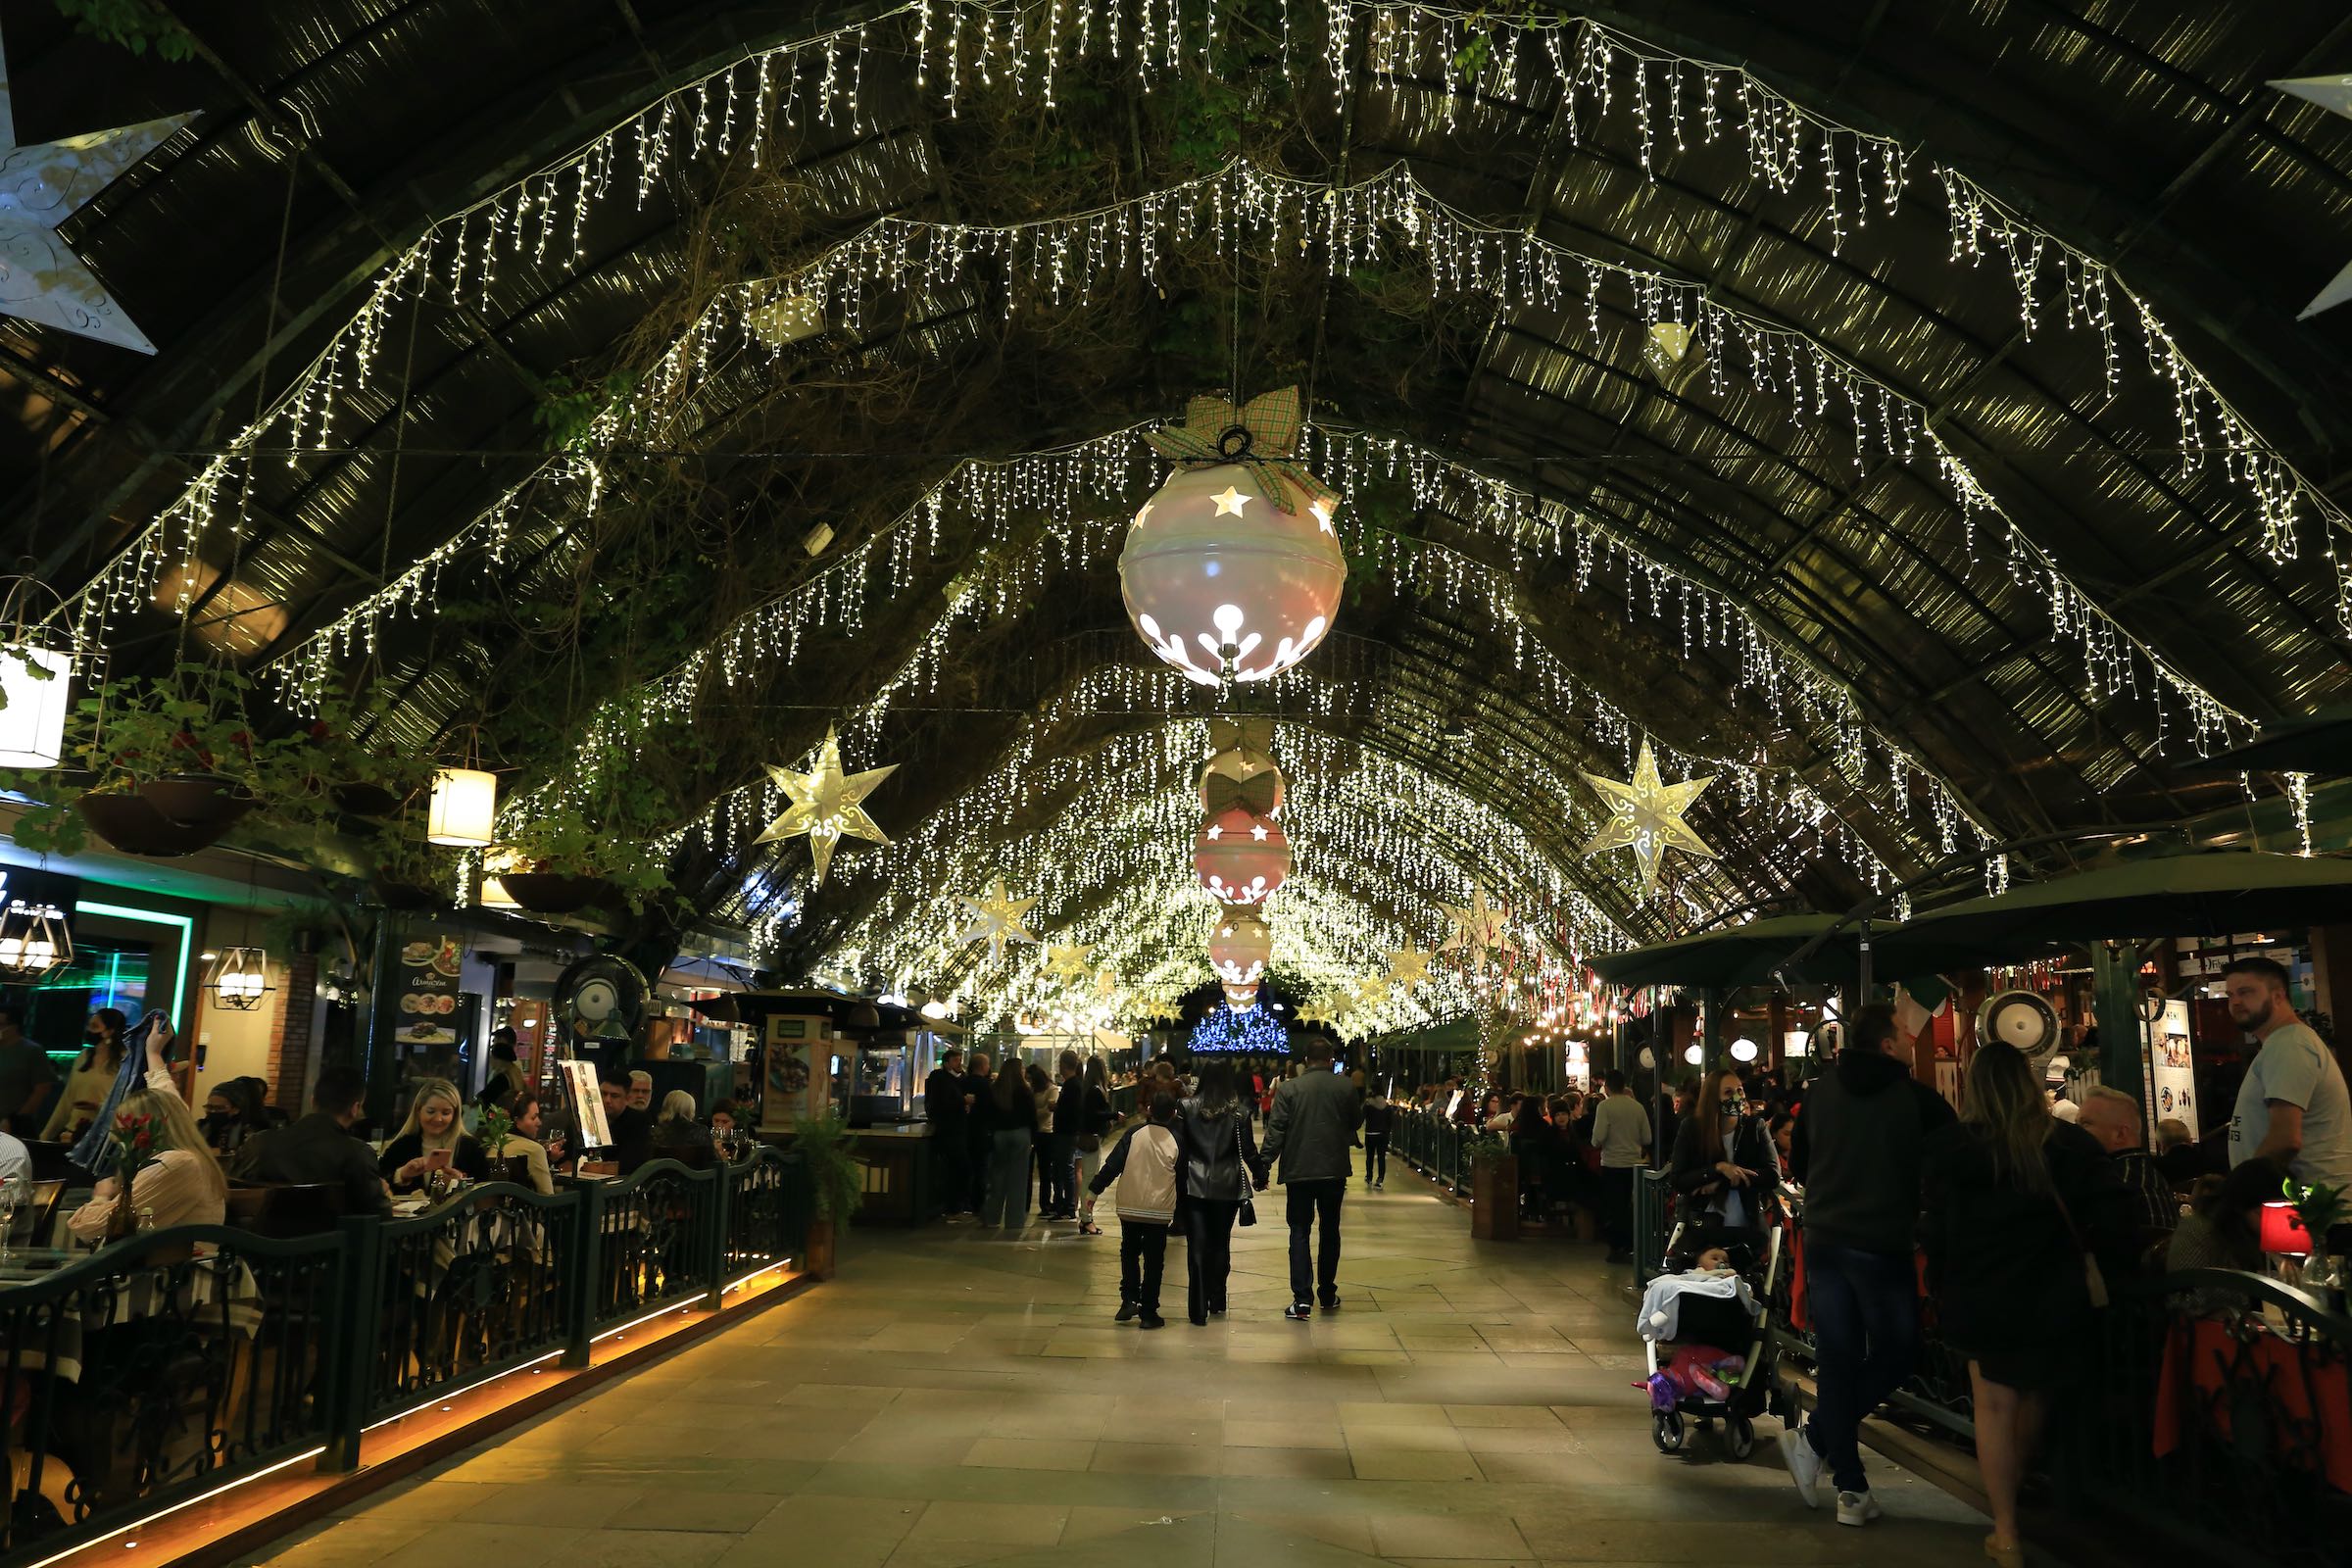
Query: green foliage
pixel 834 1171
pixel 1487 1146
pixel 135 25
pixel 2320 1209
pixel 569 409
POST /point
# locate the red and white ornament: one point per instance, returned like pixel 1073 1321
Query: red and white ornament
pixel 1239 948
pixel 1241 859
pixel 1222 583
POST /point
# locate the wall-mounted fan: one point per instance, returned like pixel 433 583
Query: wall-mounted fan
pixel 2022 1020
pixel 598 1003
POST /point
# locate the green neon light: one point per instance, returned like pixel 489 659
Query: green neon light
pixel 187 946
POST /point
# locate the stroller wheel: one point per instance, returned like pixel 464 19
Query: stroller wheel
pixel 1739 1436
pixel 1666 1430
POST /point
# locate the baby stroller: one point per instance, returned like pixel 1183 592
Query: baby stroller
pixel 1718 1353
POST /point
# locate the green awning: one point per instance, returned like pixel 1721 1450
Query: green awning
pixel 1740 956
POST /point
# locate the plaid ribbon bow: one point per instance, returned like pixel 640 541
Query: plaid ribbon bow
pixel 1262 436
pixel 1253 738
pixel 1220 794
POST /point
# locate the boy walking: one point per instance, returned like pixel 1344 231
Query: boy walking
pixel 1144 1165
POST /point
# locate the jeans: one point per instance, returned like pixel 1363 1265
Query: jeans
pixel 1207 1253
pixel 1090 1161
pixel 1008 1198
pixel 1143 1248
pixel 1376 1156
pixel 1307 1203
pixel 1866 1341
pixel 1617 1207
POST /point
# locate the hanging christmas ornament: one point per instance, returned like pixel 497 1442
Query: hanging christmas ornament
pixel 1324 1010
pixel 1372 993
pixel 1477 925
pixel 825 805
pixel 1233 571
pixel 1242 759
pixel 1066 959
pixel 41 187
pixel 1106 983
pixel 1239 948
pixel 1240 858
pixel 1408 965
pixel 1646 816
pixel 995 920
pixel 2334 94
pixel 1242 997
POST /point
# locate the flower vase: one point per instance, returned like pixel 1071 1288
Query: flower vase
pixel 122 1221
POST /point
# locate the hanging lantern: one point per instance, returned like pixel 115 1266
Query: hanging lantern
pixel 33 683
pixel 1241 859
pixel 464 808
pixel 34 941
pixel 1241 998
pixel 1239 948
pixel 1229 579
pixel 240 978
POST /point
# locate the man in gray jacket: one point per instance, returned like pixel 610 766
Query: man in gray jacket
pixel 1310 1130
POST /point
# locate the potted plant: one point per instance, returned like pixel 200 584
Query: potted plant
pixel 412 875
pixel 570 863
pixel 1494 1189
pixel 838 1179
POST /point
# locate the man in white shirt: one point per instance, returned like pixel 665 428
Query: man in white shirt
pixel 1621 1132
pixel 2293 1109
pixel 16 1162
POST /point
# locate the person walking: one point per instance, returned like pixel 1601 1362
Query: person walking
pixel 1099 1119
pixel 1724 1163
pixel 2292 1108
pixel 1621 1132
pixel 1858 1150
pixel 1310 1130
pixel 1061 1138
pixel 1012 1129
pixel 944 1108
pixel 2018 1204
pixel 1144 1165
pixel 1220 1166
pixel 1378 1118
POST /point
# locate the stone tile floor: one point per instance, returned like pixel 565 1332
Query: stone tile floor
pixel 958 1396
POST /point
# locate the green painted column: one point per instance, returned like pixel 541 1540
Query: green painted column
pixel 1718 1049
pixel 2115 1001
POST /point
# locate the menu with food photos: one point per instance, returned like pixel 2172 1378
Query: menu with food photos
pixel 428 990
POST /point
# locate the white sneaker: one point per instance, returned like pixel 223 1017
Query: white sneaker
pixel 1857 1508
pixel 1804 1465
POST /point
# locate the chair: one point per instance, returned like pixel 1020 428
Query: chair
pixel 284 1209
pixel 35 1218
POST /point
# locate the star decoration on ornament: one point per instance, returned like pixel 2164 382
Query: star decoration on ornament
pixel 41 187
pixel 1478 926
pixel 1408 965
pixel 1231 502
pixel 2334 94
pixel 1066 959
pixel 1646 816
pixel 995 920
pixel 825 805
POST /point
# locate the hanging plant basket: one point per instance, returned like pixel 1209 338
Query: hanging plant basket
pixel 555 892
pixel 197 800
pixel 406 895
pixel 132 824
pixel 365 799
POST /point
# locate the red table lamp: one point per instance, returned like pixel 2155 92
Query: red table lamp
pixel 2282 1231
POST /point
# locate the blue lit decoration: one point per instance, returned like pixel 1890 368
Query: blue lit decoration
pixel 1256 1032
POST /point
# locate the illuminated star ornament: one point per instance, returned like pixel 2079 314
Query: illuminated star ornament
pixel 1066 959
pixel 1408 965
pixel 41 187
pixel 995 920
pixel 825 805
pixel 1323 1010
pixel 1478 926
pixel 1646 816
pixel 2334 94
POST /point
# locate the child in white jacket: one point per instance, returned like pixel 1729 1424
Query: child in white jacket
pixel 1144 1165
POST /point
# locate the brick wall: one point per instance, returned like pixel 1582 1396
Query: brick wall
pixel 290 1042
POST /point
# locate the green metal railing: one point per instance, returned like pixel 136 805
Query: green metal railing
pixel 1434 1146
pixel 144 1375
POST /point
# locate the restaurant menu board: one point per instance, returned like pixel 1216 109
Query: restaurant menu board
pixel 587 1102
pixel 428 990
pixel 798 1071
pixel 2172 1071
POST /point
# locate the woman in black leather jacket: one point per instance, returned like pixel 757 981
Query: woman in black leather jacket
pixel 1219 1164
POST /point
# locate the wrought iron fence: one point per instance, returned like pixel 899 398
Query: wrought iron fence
pixel 1653 1223
pixel 1432 1146
pixel 177 1362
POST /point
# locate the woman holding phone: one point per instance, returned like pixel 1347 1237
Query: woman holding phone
pixel 432 1140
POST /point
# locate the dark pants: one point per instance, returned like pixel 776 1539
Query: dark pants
pixel 1865 1344
pixel 1207 1253
pixel 1143 1255
pixel 979 1147
pixel 1057 1172
pixel 1617 1207
pixel 949 1145
pixel 1376 1156
pixel 1307 1203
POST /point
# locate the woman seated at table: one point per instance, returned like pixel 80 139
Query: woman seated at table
pixel 678 1129
pixel 2223 1228
pixel 524 1141
pixel 231 1116
pixel 431 1140
pixel 182 1185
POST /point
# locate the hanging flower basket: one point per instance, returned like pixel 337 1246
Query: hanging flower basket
pixel 555 892
pixel 197 800
pixel 130 823
pixel 360 798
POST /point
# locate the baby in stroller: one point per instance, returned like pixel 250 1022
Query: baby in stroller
pixel 1706 1311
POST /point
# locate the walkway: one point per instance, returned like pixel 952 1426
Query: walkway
pixel 959 1399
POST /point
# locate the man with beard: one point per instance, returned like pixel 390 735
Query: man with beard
pixel 2293 1109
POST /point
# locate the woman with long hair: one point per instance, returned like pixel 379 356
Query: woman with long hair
pixel 1012 1123
pixel 432 1138
pixel 2223 1228
pixel 1220 1166
pixel 1724 1162
pixel 230 1116
pixel 2016 1201
pixel 182 1185
pixel 91 1078
pixel 1097 1119
pixel 524 1144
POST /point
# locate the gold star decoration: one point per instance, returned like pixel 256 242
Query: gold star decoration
pixel 1066 959
pixel 1324 1010
pixel 1105 982
pixel 1477 925
pixel 825 805
pixel 1231 502
pixel 1408 965
pixel 995 920
pixel 1372 993
pixel 1646 816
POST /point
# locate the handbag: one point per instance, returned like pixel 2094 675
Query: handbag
pixel 1248 1213
pixel 2095 1279
pixel 1089 1143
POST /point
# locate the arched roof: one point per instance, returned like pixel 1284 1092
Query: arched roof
pixel 1993 496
